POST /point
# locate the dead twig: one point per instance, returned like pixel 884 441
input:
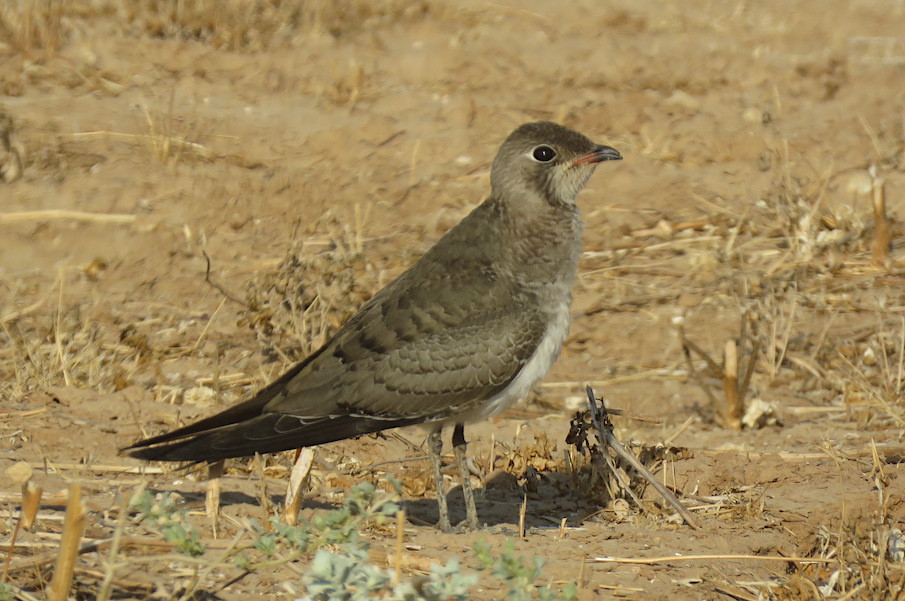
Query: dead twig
pixel 106 586
pixel 734 374
pixel 604 428
pixel 687 347
pixel 218 287
pixel 22 312
pixel 687 558
pixel 879 248
pixel 65 215
pixel 31 501
pixel 100 468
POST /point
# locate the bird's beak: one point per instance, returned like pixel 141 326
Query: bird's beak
pixel 600 154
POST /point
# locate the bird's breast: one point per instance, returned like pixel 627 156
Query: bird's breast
pixel 537 366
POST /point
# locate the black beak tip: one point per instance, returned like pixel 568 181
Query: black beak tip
pixel 607 153
pixel 598 155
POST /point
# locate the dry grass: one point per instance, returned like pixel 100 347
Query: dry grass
pixel 35 26
pixel 316 288
pixel 866 553
pixel 169 145
pixel 822 301
pixel 257 25
pixel 61 349
pixel 43 27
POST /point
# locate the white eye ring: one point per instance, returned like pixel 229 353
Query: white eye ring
pixel 543 153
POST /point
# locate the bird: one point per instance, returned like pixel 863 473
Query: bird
pixel 458 337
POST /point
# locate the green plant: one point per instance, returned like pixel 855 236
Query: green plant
pixel 160 513
pixel 364 504
pixel 445 582
pixel 344 576
pixel 519 575
pixel 349 576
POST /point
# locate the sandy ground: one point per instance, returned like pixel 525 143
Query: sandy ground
pixel 315 154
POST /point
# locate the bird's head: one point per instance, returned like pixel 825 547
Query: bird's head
pixel 547 160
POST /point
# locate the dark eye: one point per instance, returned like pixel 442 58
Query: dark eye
pixel 543 153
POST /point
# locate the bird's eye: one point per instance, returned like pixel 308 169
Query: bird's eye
pixel 543 154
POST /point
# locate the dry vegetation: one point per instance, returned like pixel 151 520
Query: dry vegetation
pixel 194 194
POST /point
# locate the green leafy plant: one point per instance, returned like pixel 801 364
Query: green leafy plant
pixel 349 576
pixel 519 575
pixel 363 505
pixel 446 582
pixel 341 569
pixel 161 513
pixel 346 576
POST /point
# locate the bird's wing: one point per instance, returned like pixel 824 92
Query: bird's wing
pixel 404 359
pixel 444 337
pixel 408 356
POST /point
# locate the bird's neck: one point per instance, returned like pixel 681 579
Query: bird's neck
pixel 539 244
pixel 544 240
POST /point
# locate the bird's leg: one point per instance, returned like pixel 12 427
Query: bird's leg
pixel 471 512
pixel 434 448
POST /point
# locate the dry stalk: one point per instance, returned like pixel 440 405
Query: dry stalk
pixel 73 528
pixel 66 215
pixel 879 248
pixel 35 25
pixel 125 585
pixel 679 431
pixel 215 285
pixel 37 561
pixel 597 420
pixel 673 559
pixel 106 587
pixel 168 147
pixel 58 331
pixel 562 528
pixel 301 469
pixel 31 502
pixel 212 495
pixel 102 468
pixel 411 562
pixel 732 412
pixel 734 374
pixel 522 513
pixel 5 319
pixel 264 499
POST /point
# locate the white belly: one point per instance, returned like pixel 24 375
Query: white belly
pixel 533 371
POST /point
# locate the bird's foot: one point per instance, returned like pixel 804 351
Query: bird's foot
pixel 460 528
pixel 445 527
pixel 465 526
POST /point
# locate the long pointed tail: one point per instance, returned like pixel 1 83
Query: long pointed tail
pixel 219 438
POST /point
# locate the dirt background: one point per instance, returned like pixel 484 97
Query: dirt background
pixel 313 150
